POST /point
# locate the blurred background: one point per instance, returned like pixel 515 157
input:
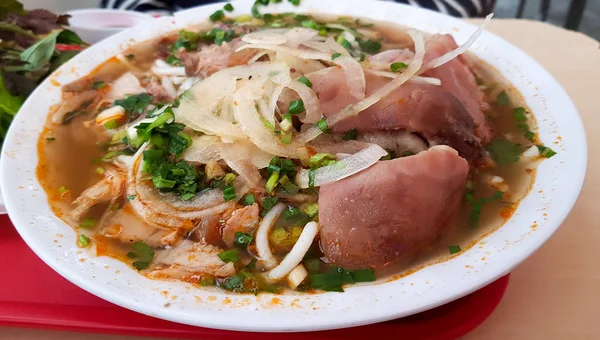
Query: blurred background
pixel 552 11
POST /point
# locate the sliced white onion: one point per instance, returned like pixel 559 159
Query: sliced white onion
pixel 296 276
pixel 437 62
pixel 248 119
pixel 114 113
pixel 303 66
pixel 205 149
pixel 355 77
pixel 168 71
pixel 352 110
pixel 187 84
pixel 342 168
pixel 167 83
pixel 269 37
pixel 299 35
pixel 310 100
pixel 294 257
pixel 262 235
pixel 415 79
pixel 258 56
pixel 241 164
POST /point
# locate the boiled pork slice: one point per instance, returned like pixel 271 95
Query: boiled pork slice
pixel 392 209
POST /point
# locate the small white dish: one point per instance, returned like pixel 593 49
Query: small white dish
pixel 553 194
pixel 93 25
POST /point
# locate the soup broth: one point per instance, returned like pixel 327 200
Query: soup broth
pixel 217 155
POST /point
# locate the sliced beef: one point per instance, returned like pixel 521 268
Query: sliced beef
pixel 392 209
pixel 429 110
pixel 213 58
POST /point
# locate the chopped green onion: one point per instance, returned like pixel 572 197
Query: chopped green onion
pixel 242 239
pixel 350 135
pixel 208 281
pixel 88 223
pixel 475 213
pixel 99 85
pixel 503 99
pixel 369 46
pixel 111 124
pixel 228 7
pixel 83 241
pixel 100 170
pixel 519 114
pixel 295 2
pixel 286 139
pixel 217 15
pixel 529 135
pixel 335 56
pixel 229 194
pixel 305 81
pixel 288 186
pixel 50 139
pixel 229 178
pixel 454 249
pixel 248 199
pixel 291 212
pixel 504 152
pixel 62 189
pixel 398 67
pixel 323 126
pixel 523 127
pixel 230 255
pixel 296 107
pixel 266 123
pixel 130 198
pixel 272 182
pixel 312 210
pixel 322 159
pixel 310 24
pixel 546 151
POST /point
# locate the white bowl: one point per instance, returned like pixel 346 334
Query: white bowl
pixel 554 192
pixel 96 24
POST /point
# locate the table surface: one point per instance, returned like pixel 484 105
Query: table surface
pixel 553 294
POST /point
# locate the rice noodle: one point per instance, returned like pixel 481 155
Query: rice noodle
pixel 342 168
pixel 437 62
pixel 263 248
pixel 352 110
pixel 294 257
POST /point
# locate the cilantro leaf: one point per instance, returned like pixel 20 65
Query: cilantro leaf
pixel 134 105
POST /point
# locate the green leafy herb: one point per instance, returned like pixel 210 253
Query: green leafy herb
pixel 230 255
pixel 475 213
pixel 311 178
pixel 267 204
pixel 248 199
pixel 503 99
pixel 38 55
pixel 312 265
pixel 143 253
pixel 187 41
pixel 173 60
pixel 228 7
pixel 333 280
pixel 291 213
pixel 88 223
pixel 454 249
pixel 242 239
pixel 305 81
pixel 296 107
pixel 295 2
pixel 99 85
pixel 246 282
pixel 545 151
pixel 504 152
pixel 369 46
pixel 335 56
pixel 134 105
pixel 398 67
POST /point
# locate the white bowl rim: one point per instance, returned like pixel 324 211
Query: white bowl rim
pixel 106 11
pixel 359 305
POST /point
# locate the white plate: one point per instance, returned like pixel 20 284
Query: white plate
pixel 557 185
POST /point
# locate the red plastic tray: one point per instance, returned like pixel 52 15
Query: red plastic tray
pixel 33 295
